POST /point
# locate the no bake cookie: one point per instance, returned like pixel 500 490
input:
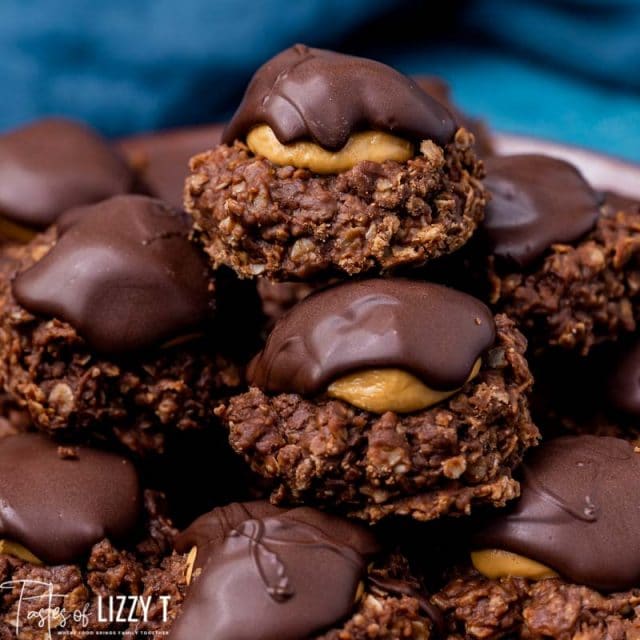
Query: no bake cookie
pixel 564 258
pixel 109 329
pixel 562 562
pixel 75 526
pixel 334 165
pixel 291 574
pixel 387 397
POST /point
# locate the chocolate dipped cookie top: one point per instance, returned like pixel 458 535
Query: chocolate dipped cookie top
pixel 123 273
pixel 271 574
pixel 323 96
pixel 59 507
pixel 536 201
pixel 579 512
pixel 52 165
pixel 429 330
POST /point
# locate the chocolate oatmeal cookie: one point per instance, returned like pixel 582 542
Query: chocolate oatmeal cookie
pixel 76 529
pixel 562 562
pixel 291 574
pixel 108 329
pixel 565 260
pixel 367 173
pixel 387 397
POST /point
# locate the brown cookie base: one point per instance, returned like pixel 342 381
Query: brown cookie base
pixel 475 607
pixel 582 294
pixel 289 224
pixel 108 571
pixel 69 391
pixel 427 464
pixel 384 617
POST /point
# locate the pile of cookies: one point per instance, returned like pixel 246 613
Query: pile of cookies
pixel 354 377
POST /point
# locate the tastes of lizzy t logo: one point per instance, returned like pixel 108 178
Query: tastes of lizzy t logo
pixel 39 608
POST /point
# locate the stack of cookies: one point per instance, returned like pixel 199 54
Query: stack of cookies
pixel 341 388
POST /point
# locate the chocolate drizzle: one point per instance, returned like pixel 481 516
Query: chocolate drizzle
pixel 578 512
pixel 536 201
pixel 269 566
pixel 211 529
pixel 323 96
pixel 123 273
pixel 281 577
pixel 58 508
pixel 435 332
pixel 52 165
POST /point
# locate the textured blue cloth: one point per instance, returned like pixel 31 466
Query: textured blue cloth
pixel 563 69
pixel 129 65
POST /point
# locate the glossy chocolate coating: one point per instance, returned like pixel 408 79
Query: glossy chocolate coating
pixel 623 385
pixel 323 96
pixel 579 512
pixel 279 577
pixel 58 508
pixel 432 331
pixel 536 201
pixel 52 165
pixel 123 273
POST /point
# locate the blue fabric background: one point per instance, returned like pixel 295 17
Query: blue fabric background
pixel 563 69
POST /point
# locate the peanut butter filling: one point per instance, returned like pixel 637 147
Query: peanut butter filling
pixel 18 551
pixel 497 563
pixel 375 146
pixel 381 390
